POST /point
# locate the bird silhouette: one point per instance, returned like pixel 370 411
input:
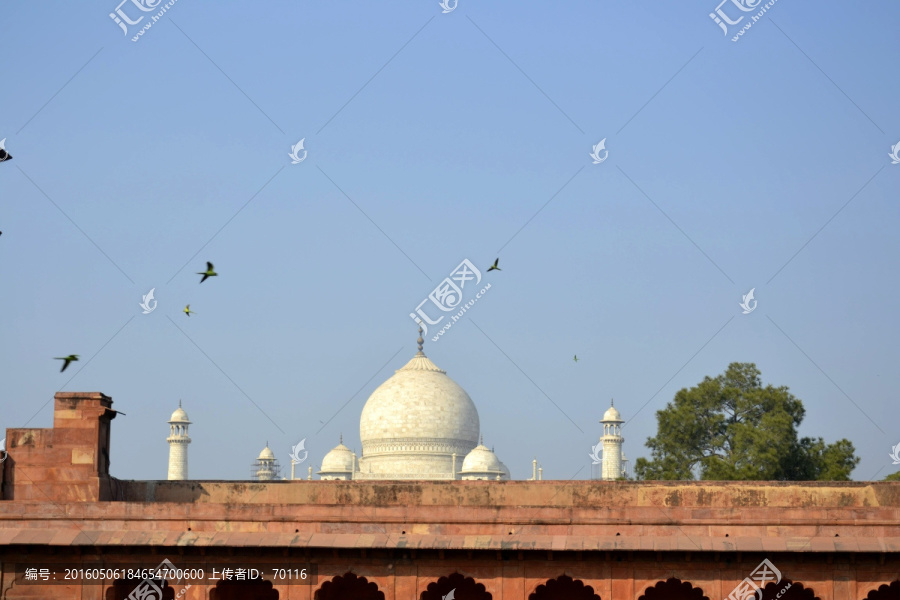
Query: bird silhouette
pixel 576 358
pixel 208 273
pixel 68 359
pixel 187 310
pixel 494 266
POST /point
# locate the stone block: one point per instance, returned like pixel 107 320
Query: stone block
pixel 82 457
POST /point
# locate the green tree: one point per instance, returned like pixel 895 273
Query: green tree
pixel 893 477
pixel 732 428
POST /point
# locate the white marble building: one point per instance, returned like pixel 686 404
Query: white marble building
pixel 419 424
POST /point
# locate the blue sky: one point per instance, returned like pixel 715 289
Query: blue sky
pixel 434 138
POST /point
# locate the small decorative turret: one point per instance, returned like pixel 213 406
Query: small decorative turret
pixel 266 467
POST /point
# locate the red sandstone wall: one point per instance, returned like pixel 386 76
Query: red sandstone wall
pixel 587 494
pixel 65 463
pixel 58 497
pixel 515 580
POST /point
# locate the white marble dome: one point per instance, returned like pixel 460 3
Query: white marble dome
pixel 414 423
pixel 179 416
pixel 266 454
pixel 612 414
pixel 339 461
pixel 482 463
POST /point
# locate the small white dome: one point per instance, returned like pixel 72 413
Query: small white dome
pixel 482 463
pixel 179 416
pixel 481 460
pixel 266 454
pixel 339 460
pixel 612 414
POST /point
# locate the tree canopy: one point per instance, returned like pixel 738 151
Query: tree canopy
pixel 730 427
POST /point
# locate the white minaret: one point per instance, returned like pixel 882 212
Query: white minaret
pixel 178 444
pixel 613 464
pixel 266 466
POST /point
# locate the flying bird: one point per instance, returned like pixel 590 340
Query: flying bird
pixel 494 266
pixel 187 310
pixel 576 358
pixel 208 273
pixel 70 358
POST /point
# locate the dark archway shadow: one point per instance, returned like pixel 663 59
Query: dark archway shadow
pixel 789 590
pixel 349 587
pixel 886 592
pixel 673 589
pixel 563 588
pixel 464 588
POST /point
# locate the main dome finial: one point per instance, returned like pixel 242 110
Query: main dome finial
pixel 420 341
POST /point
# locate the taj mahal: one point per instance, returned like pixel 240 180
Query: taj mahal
pixel 425 510
pixel 417 425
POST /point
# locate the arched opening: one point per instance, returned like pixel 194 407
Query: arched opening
pixel 349 587
pixel 464 588
pixel 564 588
pixel 122 589
pixel 673 589
pixel 787 590
pixel 886 592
